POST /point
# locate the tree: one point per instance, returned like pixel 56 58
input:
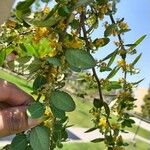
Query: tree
pixel 146 105
pixel 57 41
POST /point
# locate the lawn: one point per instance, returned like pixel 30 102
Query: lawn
pixel 80 117
pixel 100 146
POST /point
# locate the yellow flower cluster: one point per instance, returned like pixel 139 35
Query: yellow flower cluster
pixel 62 25
pixel 123 26
pixel 103 9
pixel 99 42
pixel 122 63
pixel 74 43
pixel 113 30
pixel 49 122
pixel 39 33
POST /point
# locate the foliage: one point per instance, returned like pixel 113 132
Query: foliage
pixel 146 105
pixel 50 44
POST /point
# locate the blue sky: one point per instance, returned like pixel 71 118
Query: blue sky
pixel 137 15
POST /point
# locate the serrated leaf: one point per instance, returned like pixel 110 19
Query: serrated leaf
pixel 137 42
pixel 98 140
pixel 39 138
pixel 62 100
pixel 19 142
pixel 35 110
pixel 136 60
pixel 38 82
pixel 90 130
pixel 80 59
pixel 112 73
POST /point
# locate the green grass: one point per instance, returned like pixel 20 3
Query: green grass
pixel 80 117
pixel 100 146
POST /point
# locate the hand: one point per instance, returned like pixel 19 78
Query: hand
pixel 13 104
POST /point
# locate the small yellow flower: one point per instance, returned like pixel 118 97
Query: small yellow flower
pixel 123 25
pixel 52 53
pixel 49 122
pixel 122 63
pixel 99 42
pixel 103 122
pixel 62 25
pixel 46 10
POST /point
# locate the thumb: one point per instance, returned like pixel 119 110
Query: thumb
pixel 14 120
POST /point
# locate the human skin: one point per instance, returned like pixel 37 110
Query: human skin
pixel 13 104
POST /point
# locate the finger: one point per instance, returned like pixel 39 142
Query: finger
pixel 13 95
pixel 14 120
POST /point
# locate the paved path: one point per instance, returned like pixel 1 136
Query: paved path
pixel 87 137
pixel 79 135
pixel 142 124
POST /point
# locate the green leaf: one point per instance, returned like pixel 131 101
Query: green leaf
pixel 102 69
pixel 114 85
pixel 2 57
pixel 19 142
pixel 107 110
pixel 39 82
pixel 90 130
pixel 112 73
pixel 62 100
pixel 98 140
pixel 80 59
pixel 39 138
pixel 110 55
pixel 75 24
pixel 109 30
pixel 54 61
pixel 34 66
pixel 23 8
pixel 23 60
pixel 46 23
pixel 137 42
pixel 82 3
pixel 112 58
pixel 135 83
pixel 30 49
pixel 57 112
pixel 136 60
pixel 63 11
pixel 35 110
pixel 97 103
